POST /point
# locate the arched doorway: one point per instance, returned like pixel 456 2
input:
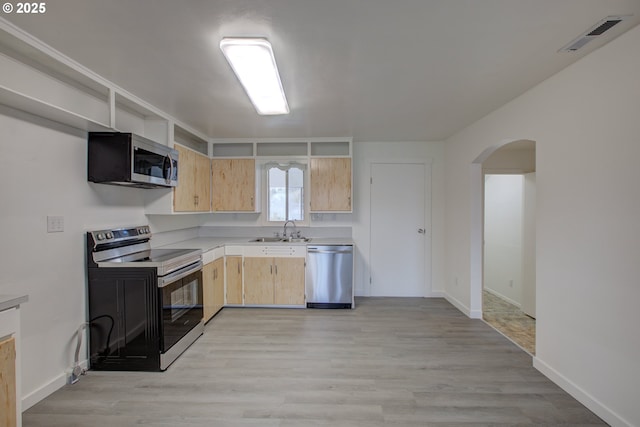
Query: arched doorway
pixel 503 239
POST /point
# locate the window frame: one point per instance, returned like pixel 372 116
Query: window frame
pixel 264 166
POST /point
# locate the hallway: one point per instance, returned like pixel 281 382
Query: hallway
pixel 510 320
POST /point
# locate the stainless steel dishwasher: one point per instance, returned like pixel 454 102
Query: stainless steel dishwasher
pixel 329 281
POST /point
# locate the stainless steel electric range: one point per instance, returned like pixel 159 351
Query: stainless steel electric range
pixel 145 305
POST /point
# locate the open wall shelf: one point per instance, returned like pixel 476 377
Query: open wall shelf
pixel 41 81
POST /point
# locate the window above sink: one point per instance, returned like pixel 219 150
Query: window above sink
pixel 286 191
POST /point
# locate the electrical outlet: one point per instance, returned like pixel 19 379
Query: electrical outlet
pixel 55 224
pixel 511 283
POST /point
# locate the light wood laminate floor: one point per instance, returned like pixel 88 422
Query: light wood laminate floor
pixel 389 362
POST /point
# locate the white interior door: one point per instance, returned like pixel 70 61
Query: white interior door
pixel 399 233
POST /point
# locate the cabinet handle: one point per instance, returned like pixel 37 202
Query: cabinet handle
pixel 271 268
pixel 276 269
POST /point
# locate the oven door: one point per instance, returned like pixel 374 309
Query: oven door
pixel 181 302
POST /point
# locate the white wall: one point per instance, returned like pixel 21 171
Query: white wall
pixel 585 124
pixel 503 215
pixel 43 172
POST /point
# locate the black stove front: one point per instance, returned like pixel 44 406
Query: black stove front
pixel 124 327
pixel 140 320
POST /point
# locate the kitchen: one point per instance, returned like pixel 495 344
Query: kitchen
pixel 39 148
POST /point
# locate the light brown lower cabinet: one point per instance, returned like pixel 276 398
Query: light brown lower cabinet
pixel 8 383
pixel 289 281
pixel 269 281
pixel 218 285
pixel 258 280
pixel 234 280
pixel 213 288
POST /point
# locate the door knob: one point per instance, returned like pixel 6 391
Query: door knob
pixel 421 230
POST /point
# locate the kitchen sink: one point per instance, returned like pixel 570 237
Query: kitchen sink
pixel 267 239
pixel 281 239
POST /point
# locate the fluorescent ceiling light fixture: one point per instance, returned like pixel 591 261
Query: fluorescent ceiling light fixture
pixel 253 63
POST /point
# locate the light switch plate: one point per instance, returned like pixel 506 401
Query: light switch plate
pixel 55 224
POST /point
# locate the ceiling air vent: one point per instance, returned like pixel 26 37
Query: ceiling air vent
pixel 597 30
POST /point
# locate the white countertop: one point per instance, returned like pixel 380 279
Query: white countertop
pixel 209 243
pixel 10 301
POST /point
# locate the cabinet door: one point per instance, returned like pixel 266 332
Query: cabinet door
pixel 184 193
pixel 8 382
pixel 258 280
pixel 218 285
pixel 233 184
pixel 208 291
pixel 289 281
pixel 234 280
pixel 330 184
pixel 202 184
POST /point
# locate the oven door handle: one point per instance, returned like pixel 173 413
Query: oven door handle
pixel 177 275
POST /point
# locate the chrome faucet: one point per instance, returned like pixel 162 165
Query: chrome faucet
pixel 284 233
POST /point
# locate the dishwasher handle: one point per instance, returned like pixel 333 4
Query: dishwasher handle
pixel 315 250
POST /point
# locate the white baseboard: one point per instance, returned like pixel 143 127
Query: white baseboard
pixel 46 389
pixel 475 314
pixel 499 295
pixel 43 391
pixel 580 395
pixel 457 304
pixel 472 314
pixel 436 294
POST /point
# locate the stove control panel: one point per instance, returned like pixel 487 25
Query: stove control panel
pixel 120 234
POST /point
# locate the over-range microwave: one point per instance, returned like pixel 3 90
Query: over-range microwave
pixel 128 159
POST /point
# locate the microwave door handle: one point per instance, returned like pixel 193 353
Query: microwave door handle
pixel 168 178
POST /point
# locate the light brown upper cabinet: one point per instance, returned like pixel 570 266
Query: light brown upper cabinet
pixel 331 184
pixel 233 185
pixel 193 193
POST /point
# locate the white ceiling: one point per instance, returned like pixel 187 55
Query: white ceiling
pixel 383 70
